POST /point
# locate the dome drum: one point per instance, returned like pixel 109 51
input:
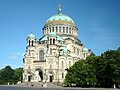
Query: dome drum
pixel 60 29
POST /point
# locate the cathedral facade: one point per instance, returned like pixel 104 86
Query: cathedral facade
pixel 47 59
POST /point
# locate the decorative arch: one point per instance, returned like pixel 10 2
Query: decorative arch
pixel 39 73
pixel 39 68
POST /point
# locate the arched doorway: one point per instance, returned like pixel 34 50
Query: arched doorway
pixel 29 78
pixel 51 76
pixel 39 75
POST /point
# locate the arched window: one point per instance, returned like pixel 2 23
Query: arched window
pixel 62 65
pixel 66 29
pixel 63 29
pixel 77 51
pixel 32 42
pixel 74 49
pixel 52 29
pixel 62 75
pixel 50 50
pixel 41 55
pixel 70 31
pixel 69 63
pixel 60 29
pixel 29 42
pixel 56 29
pixel 53 41
pixel 50 41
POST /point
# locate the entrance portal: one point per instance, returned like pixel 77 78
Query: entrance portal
pixel 29 78
pixel 39 75
pixel 51 78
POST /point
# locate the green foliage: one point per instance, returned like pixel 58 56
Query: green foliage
pixel 82 73
pixel 118 48
pixel 18 74
pixel 7 73
pixel 112 59
pixel 100 71
pixel 90 67
pixel 74 74
pixel 10 75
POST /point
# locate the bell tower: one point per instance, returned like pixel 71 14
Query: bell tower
pixel 31 40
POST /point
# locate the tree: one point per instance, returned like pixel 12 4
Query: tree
pixel 112 58
pixel 82 73
pixel 18 74
pixel 90 67
pixel 102 71
pixel 108 69
pixel 74 74
pixel 7 73
pixel 118 48
pixel 0 75
pixel 10 75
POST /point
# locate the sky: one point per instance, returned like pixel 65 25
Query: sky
pixel 98 23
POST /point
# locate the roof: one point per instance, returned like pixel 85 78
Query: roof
pixel 64 49
pixel 31 36
pixel 60 19
pixel 57 36
pixel 85 49
pixel 44 38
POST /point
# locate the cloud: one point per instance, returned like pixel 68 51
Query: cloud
pixel 16 56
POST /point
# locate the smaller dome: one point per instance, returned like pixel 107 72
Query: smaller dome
pixel 85 49
pixel 31 36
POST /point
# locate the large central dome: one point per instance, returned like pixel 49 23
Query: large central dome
pixel 60 19
pixel 60 24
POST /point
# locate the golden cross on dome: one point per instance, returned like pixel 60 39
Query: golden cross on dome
pixel 59 8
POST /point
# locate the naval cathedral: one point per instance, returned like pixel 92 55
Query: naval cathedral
pixel 47 59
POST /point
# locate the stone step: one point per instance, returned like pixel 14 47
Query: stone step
pixel 37 84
